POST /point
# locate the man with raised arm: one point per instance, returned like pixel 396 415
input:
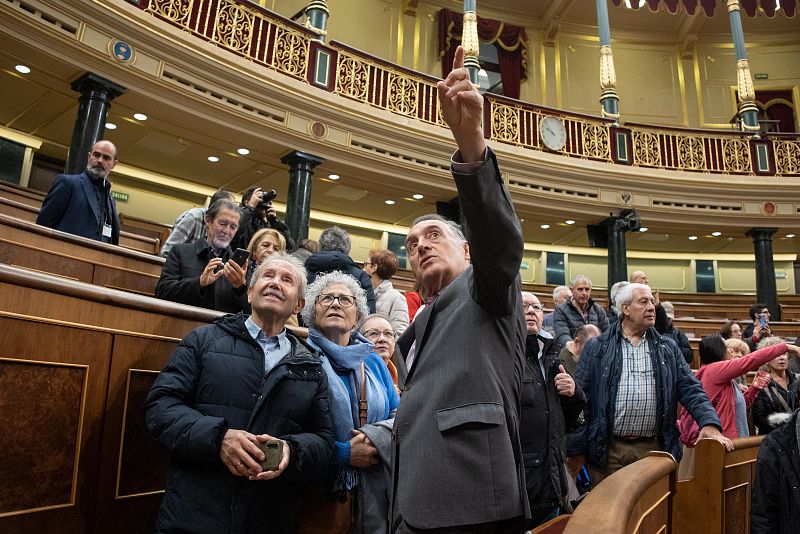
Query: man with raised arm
pixel 457 464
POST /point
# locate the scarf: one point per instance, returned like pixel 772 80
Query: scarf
pixel 342 366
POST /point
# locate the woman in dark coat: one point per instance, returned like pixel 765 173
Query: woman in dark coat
pixel 775 404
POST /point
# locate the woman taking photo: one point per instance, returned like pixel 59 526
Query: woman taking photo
pixel 362 398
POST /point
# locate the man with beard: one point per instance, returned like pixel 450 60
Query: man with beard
pixel 81 204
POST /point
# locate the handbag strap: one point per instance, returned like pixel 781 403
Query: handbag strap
pixel 363 403
pixel 777 394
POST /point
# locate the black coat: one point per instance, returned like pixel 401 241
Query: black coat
pixel 250 223
pixel 775 504
pixel 544 418
pixel 567 319
pixel 680 339
pixel 333 260
pixel 768 402
pixel 215 381
pixel 180 280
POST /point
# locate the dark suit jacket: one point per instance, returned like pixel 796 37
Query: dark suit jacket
pixel 71 206
pixel 180 280
pixel 457 457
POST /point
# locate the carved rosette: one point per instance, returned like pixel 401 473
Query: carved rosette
pixel 736 154
pixel 177 11
pixel 595 141
pixel 353 78
pixel 691 153
pixel 646 149
pixel 403 95
pixel 787 157
pixel 291 52
pixel 608 75
pixel 234 27
pixel 505 123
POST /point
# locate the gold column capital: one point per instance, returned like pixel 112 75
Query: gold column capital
pixel 608 75
pixel 733 5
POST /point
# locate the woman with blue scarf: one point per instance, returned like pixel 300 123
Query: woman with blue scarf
pixel 335 302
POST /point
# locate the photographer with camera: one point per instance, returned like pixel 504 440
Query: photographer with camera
pixel 759 314
pixel 258 213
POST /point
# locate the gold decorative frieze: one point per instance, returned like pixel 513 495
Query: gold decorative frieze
pixel 176 11
pixel 291 52
pixel 736 155
pixel 646 149
pixel 403 95
pixel 352 79
pixel 595 141
pixel 691 153
pixel 505 123
pixel 234 27
pixel 787 157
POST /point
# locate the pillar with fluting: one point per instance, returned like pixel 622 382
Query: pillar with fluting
pixel 90 124
pixel 617 251
pixel 766 290
pixel 469 40
pixel 298 201
pixel 609 99
pixel 317 14
pixel 748 111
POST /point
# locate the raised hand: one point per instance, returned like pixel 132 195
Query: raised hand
pixel 462 110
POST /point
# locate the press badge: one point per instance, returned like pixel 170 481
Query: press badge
pixel 106 230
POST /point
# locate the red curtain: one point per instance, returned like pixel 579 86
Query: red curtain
pixel 750 7
pixel 511 43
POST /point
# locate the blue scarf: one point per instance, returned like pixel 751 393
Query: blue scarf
pixel 342 365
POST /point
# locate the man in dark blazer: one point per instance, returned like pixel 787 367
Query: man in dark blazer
pixel 81 204
pixel 457 464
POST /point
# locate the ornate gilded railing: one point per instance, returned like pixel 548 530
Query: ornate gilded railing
pixel 279 44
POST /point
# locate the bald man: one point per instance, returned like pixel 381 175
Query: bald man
pixel 81 204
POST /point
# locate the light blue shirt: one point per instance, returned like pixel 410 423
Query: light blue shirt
pixel 274 347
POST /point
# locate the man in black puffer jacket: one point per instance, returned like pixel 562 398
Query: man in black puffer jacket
pixel 334 247
pixel 230 385
pixel 775 505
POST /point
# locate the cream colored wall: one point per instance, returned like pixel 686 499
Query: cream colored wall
pixel 532 270
pixel 739 277
pixel 148 205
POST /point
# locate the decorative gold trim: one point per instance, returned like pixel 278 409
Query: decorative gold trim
pixel 78 440
pixel 469 37
pixel 543 73
pixel 608 75
pixel 559 96
pixel 744 82
pixel 733 5
pixel 682 87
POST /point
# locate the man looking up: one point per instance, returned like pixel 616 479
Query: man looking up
pixel 551 405
pixel 578 311
pixel 457 464
pixel 81 204
pixel 634 379
pixel 230 386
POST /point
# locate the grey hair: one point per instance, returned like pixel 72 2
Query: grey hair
pixel 335 238
pixel 625 296
pixel 322 283
pixel 579 277
pixel 222 204
pixel 769 342
pixel 377 315
pixel 612 295
pixel 455 228
pixel 276 257
pixel 558 290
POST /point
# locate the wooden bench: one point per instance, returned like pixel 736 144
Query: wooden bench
pixel 637 499
pixel 43 249
pixel 717 498
pixel 128 240
pixel 554 526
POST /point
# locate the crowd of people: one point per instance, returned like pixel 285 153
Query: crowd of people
pixel 458 407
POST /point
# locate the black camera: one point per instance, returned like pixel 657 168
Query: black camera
pixel 267 197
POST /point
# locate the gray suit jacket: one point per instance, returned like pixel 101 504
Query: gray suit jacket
pixel 457 458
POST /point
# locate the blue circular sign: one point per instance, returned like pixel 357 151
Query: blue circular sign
pixel 122 51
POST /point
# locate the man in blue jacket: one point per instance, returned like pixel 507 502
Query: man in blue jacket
pixel 633 379
pixel 81 204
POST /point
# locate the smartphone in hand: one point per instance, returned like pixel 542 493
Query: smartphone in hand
pixel 240 256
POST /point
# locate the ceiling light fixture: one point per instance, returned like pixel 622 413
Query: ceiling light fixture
pixel 213 159
pixel 111 126
pixel 544 226
pixel 333 176
pixel 390 202
pixel 790 236
pixel 417 196
pixel 22 69
pixel 643 229
pixel 716 234
pixel 243 151
pixel 569 221
pixel 692 238
pixel 140 116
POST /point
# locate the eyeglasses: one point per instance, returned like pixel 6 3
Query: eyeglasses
pixel 345 301
pixel 375 335
pixel 536 307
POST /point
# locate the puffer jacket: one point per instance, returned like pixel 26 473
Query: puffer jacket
pixel 334 260
pixel 215 381
pixel 598 375
pixel 775 503
pixel 567 319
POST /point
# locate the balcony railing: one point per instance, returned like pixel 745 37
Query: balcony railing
pixel 289 48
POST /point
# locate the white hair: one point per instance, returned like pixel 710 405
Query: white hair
pixel 578 278
pixel 625 296
pixel 277 257
pixel 557 291
pixel 322 283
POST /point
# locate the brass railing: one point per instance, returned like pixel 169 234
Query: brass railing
pixel 284 46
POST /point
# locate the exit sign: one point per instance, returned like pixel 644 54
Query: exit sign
pixel 762 76
pixel 117 195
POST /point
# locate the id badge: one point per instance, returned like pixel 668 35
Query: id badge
pixel 106 230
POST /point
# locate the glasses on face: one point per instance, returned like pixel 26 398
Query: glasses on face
pixel 375 335
pixel 345 301
pixel 536 307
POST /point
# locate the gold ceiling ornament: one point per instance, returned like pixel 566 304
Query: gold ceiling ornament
pixel 505 123
pixel 234 27
pixel 691 153
pixel 646 149
pixel 353 78
pixel 787 157
pixel 403 95
pixel 736 155
pixel 177 11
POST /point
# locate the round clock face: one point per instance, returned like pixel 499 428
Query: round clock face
pixel 553 133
